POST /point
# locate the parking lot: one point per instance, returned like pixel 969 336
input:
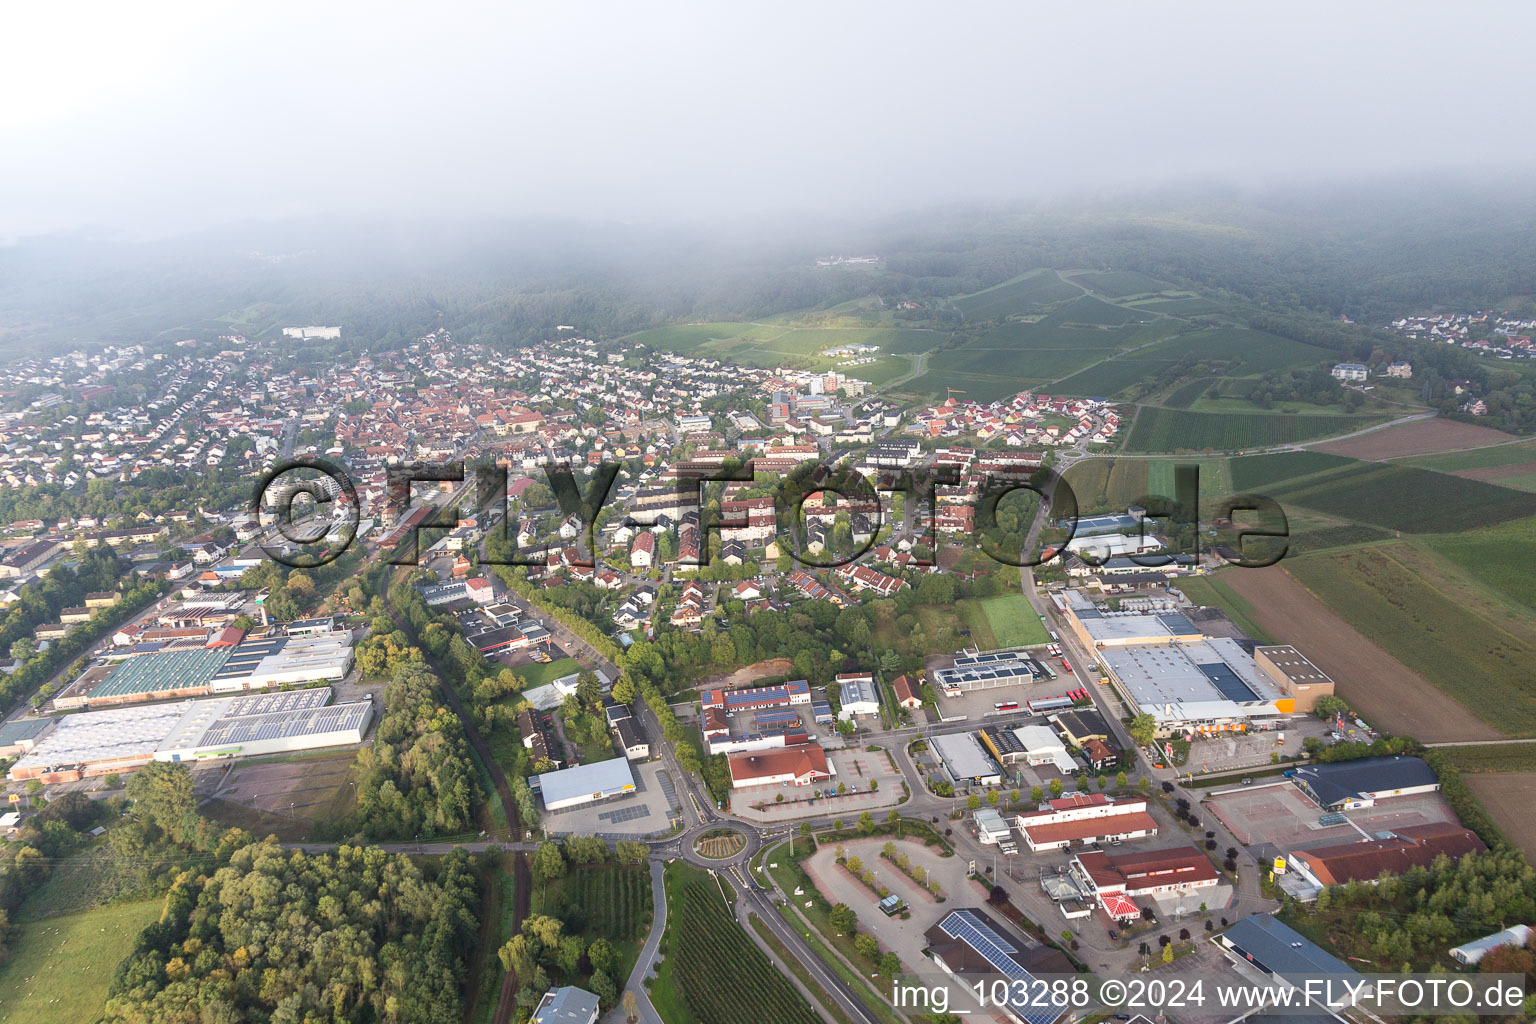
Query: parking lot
pixel 1252 749
pixel 1279 814
pixel 654 807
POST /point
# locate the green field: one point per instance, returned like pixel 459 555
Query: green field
pixel 1108 483
pixel 1408 499
pixel 712 968
pixel 1117 284
pixel 687 337
pixel 1173 430
pixel 1036 364
pixel 1493 757
pixel 1213 592
pixel 1477 458
pixel 1109 378
pixel 62 966
pixel 1499 556
pixel 1257 472
pixel 1254 351
pixel 812 341
pixel 977 387
pixel 1013 621
pixel 535 674
pixel 1437 621
pixel 1179 307
pixel 1183 396
pixel 1027 294
pixel 1097 312
pixel 1324 537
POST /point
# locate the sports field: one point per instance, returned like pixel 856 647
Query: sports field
pixel 62 966
pixel 1013 621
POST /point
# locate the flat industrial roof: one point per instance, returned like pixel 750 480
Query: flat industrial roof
pixel 159 673
pixel 599 777
pixel 963 756
pixel 984 667
pixel 1212 672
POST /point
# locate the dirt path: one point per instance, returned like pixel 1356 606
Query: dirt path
pixel 1382 689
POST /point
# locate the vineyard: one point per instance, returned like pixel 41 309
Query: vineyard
pixel 1175 430
pixel 717 972
pixel 1413 500
pixel 1257 472
pixel 613 901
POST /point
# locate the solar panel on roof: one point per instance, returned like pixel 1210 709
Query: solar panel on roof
pixel 964 924
pixel 1228 682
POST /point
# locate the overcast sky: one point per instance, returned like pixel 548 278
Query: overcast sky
pixel 162 117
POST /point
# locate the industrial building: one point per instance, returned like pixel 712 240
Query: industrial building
pixel 1301 680
pixel 1098 628
pixel 22 735
pixel 1395 852
pixel 1082 819
pixel 1347 785
pixel 585 783
pixel 964 761
pixel 988 671
pixel 205 662
pixel 1285 955
pixel 754 698
pixel 122 739
pixel 858 696
pixel 279 660
pixel 1207 685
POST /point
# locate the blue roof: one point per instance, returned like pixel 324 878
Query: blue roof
pixel 1281 949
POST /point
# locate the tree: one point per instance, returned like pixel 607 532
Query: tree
pixel 866 823
pixel 973 802
pixel 1057 786
pixel 867 946
pixel 548 862
pixel 602 956
pixel 1036 794
pixel 1329 706
pixel 161 793
pixel 843 918
pixel 631 1006
pixel 1142 729
pixel 568 954
pixel 1120 780
pixel 1168 954
pixel 631 852
pixel 890 965
pixel 23 648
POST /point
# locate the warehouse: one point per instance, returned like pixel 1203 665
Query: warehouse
pixel 988 671
pixel 964 761
pixel 858 697
pixel 158 676
pixel 122 739
pixel 1294 673
pixel 271 723
pixel 585 783
pixel 1286 955
pixel 1399 850
pixel 1042 746
pixel 1347 785
pixel 1207 686
pixel 796 691
pixel 21 736
pixel 285 661
pixel 1081 819
pixel 1098 628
